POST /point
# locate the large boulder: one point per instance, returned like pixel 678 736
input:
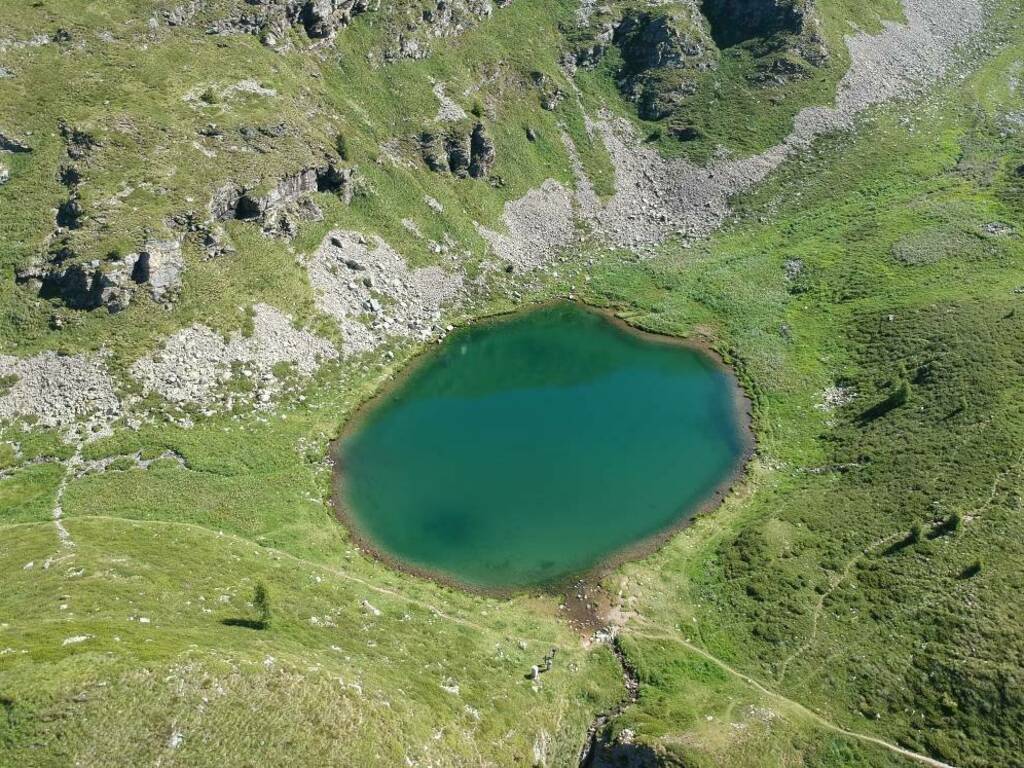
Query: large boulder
pixel 159 266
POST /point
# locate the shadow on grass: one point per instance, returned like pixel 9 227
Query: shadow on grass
pixel 899 397
pixel 246 623
pixel 970 571
pixel 907 541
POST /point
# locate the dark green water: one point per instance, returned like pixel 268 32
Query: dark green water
pixel 530 449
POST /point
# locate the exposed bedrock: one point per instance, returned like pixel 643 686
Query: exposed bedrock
pixel 665 48
pixel 662 53
pixel 481 152
pixel 78 142
pixel 656 198
pixel 287 200
pixel 413 26
pixel 648 40
pixel 10 144
pixel 736 21
pixel 772 27
pixel 112 283
pixel 271 19
pixel 459 153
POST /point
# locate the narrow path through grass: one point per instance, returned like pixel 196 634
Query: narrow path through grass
pixel 836 582
pixel 429 607
pixel 795 705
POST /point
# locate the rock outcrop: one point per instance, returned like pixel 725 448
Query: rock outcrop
pixel 279 208
pixel 663 51
pixel 411 28
pixel 651 40
pixel 461 154
pixel 272 19
pixel 481 152
pixel 414 27
pixel 111 283
pixel 158 266
pixel 78 143
pixel 776 26
pixel 736 21
pixel 10 144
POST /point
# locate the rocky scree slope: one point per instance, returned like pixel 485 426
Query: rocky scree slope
pixel 368 287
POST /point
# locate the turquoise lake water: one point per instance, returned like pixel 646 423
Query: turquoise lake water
pixel 530 449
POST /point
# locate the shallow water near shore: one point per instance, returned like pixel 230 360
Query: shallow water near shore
pixel 531 449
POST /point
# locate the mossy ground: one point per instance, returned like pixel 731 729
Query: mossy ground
pixel 794 582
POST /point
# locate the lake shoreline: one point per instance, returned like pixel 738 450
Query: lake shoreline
pixel 579 611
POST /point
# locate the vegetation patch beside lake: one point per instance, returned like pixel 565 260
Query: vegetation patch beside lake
pixel 531 449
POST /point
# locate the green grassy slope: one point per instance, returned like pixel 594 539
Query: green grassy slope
pixel 809 579
pixel 120 644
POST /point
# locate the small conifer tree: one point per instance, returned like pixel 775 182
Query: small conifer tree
pixel 954 522
pixel 261 602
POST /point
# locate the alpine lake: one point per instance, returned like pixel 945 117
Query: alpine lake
pixel 529 450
